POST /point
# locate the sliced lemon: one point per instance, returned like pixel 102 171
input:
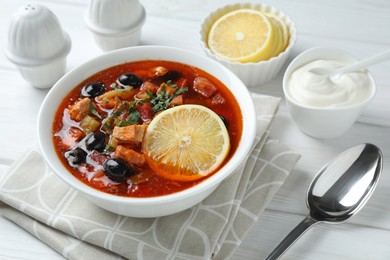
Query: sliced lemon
pixel 243 35
pixel 278 43
pixel 284 36
pixel 186 143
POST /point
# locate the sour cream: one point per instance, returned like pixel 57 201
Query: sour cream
pixel 315 90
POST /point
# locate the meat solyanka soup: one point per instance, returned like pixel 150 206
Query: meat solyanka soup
pixel 99 128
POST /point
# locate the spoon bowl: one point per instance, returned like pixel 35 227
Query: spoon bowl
pixel 337 73
pixel 339 190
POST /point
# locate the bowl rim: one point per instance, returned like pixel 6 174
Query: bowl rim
pixel 45 116
pixel 344 55
pixel 291 26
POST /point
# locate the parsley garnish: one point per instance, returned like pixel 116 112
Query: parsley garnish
pixel 123 123
pixel 134 116
pixel 127 109
pixel 162 100
pixel 93 110
pixel 108 149
pixel 132 119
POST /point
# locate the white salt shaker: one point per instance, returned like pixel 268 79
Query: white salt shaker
pixel 37 45
pixel 115 23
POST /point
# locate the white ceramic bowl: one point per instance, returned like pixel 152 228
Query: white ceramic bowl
pixel 252 73
pixel 155 206
pixel 323 122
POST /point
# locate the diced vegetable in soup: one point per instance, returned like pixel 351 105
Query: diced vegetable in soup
pixel 100 126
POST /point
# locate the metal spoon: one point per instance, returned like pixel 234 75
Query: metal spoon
pixel 337 73
pixel 339 190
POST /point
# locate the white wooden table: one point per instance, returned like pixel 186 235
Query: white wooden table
pixel 360 26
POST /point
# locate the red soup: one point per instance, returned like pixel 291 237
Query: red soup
pixel 127 97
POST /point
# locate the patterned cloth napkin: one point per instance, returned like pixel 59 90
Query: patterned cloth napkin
pixel 38 201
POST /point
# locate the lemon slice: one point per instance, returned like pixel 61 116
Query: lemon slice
pixel 243 35
pixel 186 143
pixel 282 32
pixel 278 43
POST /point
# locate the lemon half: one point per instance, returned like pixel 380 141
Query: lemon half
pixel 243 35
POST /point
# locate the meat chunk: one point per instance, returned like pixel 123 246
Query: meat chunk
pixel 146 87
pixel 218 99
pixel 182 83
pixel 76 134
pixel 129 134
pixel 130 156
pixel 80 109
pixel 149 86
pixel 177 101
pixel 168 89
pixel 159 71
pixel 204 87
pixel 145 111
pixel 71 137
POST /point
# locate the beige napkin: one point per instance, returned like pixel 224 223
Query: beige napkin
pixel 42 204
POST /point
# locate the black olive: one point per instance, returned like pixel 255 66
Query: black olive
pixel 93 89
pixel 170 75
pixel 224 120
pixel 76 156
pixel 117 169
pixel 129 79
pixel 96 141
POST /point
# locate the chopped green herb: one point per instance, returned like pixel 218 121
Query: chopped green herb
pixel 122 108
pixel 162 100
pixel 106 127
pixel 130 115
pixel 169 83
pixel 150 94
pixel 114 86
pixel 108 149
pixel 180 91
pixel 123 123
pixel 93 110
pixel 133 117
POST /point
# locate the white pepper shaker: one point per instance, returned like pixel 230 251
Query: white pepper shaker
pixel 115 23
pixel 38 45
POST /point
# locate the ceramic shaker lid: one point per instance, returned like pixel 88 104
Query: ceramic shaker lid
pixel 110 17
pixel 36 37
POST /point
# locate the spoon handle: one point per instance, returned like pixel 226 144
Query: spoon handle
pixel 380 57
pixel 291 237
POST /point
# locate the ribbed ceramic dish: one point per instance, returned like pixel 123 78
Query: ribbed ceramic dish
pixel 252 73
pixel 38 45
pixel 123 31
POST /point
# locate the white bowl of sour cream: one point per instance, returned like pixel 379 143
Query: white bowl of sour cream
pixel 322 107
